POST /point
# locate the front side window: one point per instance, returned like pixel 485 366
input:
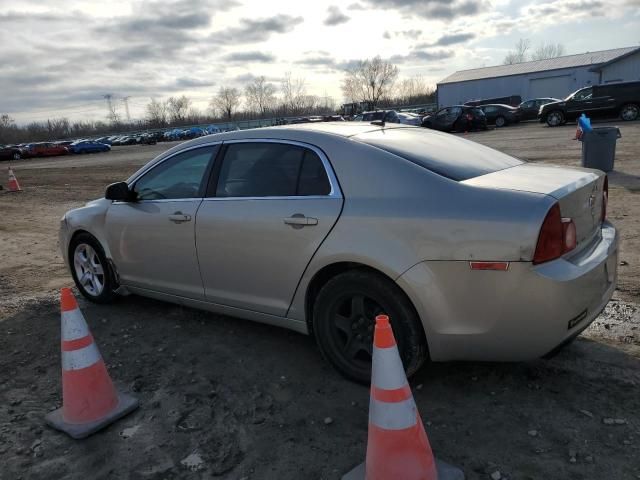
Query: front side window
pixel 265 169
pixel 181 176
pixel 584 94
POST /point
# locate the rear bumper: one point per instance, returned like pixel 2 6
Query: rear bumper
pixel 521 314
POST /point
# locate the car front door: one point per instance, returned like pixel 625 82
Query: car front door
pixel 579 103
pixel 268 208
pixel 152 239
pixel 529 110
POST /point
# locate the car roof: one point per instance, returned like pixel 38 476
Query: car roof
pixel 496 105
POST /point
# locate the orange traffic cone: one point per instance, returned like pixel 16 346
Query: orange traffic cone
pixel 397 447
pixel 89 399
pixel 14 186
pixel 578 133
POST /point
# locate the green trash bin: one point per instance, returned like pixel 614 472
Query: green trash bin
pixel 599 148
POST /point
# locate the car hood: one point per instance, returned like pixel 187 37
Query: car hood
pixel 559 103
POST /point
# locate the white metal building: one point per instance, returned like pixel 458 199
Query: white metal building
pixel 555 77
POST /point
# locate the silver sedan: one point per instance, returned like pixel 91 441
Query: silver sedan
pixel 473 254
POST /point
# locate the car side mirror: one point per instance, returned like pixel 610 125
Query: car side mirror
pixel 119 192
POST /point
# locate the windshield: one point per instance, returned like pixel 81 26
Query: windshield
pixel 441 153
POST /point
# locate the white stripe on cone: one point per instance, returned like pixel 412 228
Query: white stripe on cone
pixel 387 370
pixel 74 326
pixel 393 415
pixel 81 358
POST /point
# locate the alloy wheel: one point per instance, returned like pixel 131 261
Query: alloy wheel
pixel 352 328
pixel 89 270
pixel 554 119
pixel 630 112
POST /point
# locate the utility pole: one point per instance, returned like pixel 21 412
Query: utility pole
pixel 125 100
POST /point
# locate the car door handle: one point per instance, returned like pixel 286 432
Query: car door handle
pixel 300 220
pixel 179 217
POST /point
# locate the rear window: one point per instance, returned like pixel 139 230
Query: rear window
pixel 441 153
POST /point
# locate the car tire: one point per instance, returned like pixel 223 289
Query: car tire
pixel 344 317
pixel 630 112
pixel 555 118
pixel 16 156
pixel 87 255
pixel 500 121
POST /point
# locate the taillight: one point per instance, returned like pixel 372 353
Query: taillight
pixel 569 235
pixel 557 236
pixel 605 198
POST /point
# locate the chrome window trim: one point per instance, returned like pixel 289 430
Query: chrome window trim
pixel 335 191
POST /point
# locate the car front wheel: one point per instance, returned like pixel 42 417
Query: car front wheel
pixel 344 319
pixel 630 112
pixel 17 156
pixel 90 269
pixel 500 122
pixel 555 118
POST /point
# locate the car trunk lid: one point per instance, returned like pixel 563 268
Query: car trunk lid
pixel 579 191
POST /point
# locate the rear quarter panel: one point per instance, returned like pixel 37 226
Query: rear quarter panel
pixel 397 214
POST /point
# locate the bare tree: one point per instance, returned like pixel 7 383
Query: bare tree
pixel 156 113
pixel 178 108
pixel 226 101
pixel 519 54
pixel 294 93
pixel 260 95
pixel 544 51
pixel 370 80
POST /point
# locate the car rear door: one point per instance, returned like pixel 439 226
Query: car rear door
pixel 269 206
pixel 603 104
pixel 152 240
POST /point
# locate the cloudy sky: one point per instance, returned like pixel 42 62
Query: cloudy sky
pixel 60 57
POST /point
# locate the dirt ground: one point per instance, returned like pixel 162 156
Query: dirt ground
pixel 231 399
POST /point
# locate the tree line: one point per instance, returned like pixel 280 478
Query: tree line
pixel 373 81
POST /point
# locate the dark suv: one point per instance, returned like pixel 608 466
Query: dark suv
pixel 599 101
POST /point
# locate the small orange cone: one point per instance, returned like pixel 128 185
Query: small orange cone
pixel 578 133
pixel 89 399
pixel 397 447
pixel 14 186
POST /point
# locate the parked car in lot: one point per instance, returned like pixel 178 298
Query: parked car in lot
pixel 105 140
pixel 529 110
pixel 11 152
pixel 599 101
pixel 391 116
pixel 472 253
pixel 88 146
pixel 46 149
pixel 458 118
pixel 500 115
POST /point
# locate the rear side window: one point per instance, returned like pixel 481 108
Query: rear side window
pixel 265 169
pixel 441 153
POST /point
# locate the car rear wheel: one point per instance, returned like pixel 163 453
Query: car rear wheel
pixel 555 118
pixel 90 270
pixel 630 112
pixel 500 122
pixel 344 317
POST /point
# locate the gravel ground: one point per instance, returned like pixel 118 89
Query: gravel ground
pixel 232 399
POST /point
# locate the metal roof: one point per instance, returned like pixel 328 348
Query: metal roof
pixel 568 61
